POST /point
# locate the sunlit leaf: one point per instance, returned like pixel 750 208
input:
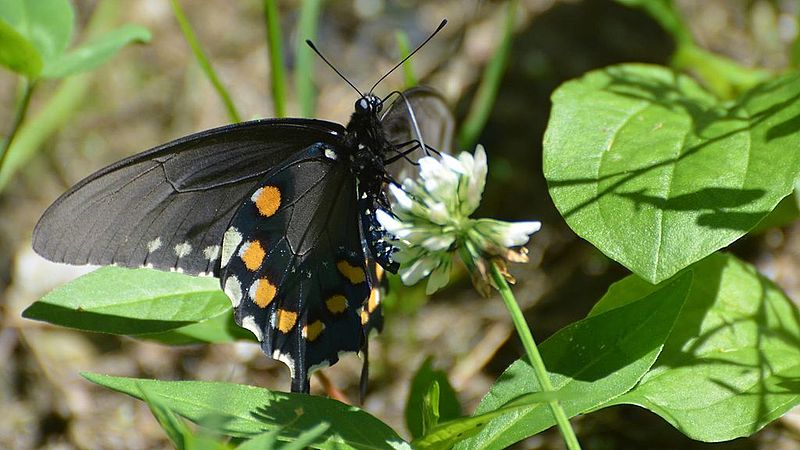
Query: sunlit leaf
pixel 96 52
pixel 17 53
pixel 125 301
pixel 656 173
pixel 732 362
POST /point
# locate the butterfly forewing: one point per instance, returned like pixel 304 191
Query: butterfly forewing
pixel 168 207
pixel 293 263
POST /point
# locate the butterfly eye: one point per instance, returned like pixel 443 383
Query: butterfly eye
pixel 363 105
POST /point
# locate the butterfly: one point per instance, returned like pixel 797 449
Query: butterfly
pixel 282 211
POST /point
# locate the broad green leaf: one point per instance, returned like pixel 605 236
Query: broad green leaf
pixel 268 440
pixel 447 434
pixel 249 410
pixel 17 53
pixel 218 329
pixel 47 24
pixel 732 362
pixel 125 301
pixel 590 361
pixel 448 405
pixel 96 52
pixel 657 174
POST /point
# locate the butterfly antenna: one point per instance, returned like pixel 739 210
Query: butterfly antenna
pixel 438 29
pixel 311 44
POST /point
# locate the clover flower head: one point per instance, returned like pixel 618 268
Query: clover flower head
pixel 431 220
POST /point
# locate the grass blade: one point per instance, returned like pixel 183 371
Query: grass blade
pixel 275 46
pixel 205 64
pixel 487 91
pixel 404 46
pixel 307 29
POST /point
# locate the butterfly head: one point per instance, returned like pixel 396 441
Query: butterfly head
pixel 369 104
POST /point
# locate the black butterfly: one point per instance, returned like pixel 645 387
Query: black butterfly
pixel 281 210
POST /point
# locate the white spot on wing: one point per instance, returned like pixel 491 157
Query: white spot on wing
pixel 253 290
pixel 233 289
pixel 286 359
pixel 256 194
pixel 230 241
pixel 183 249
pixel 330 154
pixel 211 252
pixel 176 269
pixel 154 245
pixel 249 323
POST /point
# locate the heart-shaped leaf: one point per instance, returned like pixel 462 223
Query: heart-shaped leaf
pixel 732 362
pixel 656 173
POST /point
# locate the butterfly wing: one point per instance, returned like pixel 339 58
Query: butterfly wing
pixel 293 263
pixel 168 207
pixel 420 114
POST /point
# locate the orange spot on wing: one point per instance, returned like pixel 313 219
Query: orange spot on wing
pixel 286 320
pixel 264 293
pixel 353 273
pixel 313 330
pixel 379 271
pixel 336 303
pixel 253 255
pixel 364 317
pixel 374 300
pixel 268 200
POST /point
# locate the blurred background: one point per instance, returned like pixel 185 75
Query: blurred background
pixel 152 93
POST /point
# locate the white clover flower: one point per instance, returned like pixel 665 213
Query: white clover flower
pixel 431 221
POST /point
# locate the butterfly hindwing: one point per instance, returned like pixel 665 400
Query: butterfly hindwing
pixel 294 266
pixel 168 207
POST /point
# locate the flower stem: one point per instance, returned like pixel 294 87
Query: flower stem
pixel 22 109
pixel 533 355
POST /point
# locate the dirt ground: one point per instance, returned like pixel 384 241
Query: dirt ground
pixel 152 93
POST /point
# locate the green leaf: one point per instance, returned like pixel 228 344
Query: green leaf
pixel 47 24
pixel 176 430
pixel 732 362
pixel 590 361
pixel 125 301
pixel 250 410
pixel 17 53
pixel 446 435
pixel 657 174
pixel 218 329
pixel 96 52
pixel 448 405
pixel 268 440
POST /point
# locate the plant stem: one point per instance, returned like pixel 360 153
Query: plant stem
pixel 205 64
pixel 22 110
pixel 274 43
pixel 533 356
